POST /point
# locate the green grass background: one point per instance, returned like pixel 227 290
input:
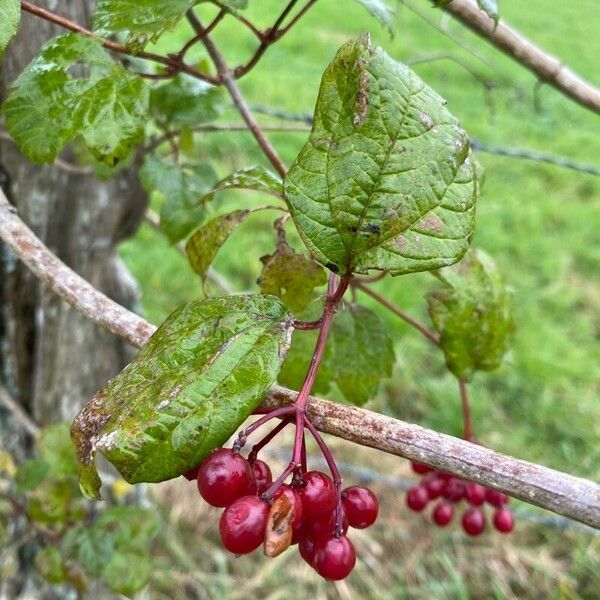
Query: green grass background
pixel 541 224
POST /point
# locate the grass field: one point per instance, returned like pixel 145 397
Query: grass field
pixel 540 223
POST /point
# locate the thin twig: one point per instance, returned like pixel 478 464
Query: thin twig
pixel 466 410
pixel 430 335
pixel 231 86
pixel 564 494
pixel 171 62
pixel 17 411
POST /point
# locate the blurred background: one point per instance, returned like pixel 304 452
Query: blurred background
pixel 540 222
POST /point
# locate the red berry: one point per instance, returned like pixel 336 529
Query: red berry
pixel 307 548
pixel 475 494
pixel 443 513
pixel 473 521
pixel 224 477
pixel 334 558
pixel 360 505
pixel 326 528
pixel 294 498
pixel 262 475
pixel 435 487
pixel 455 490
pixel 504 520
pixel 495 498
pixel 420 468
pixel 192 474
pixel 318 495
pixel 242 524
pixel 417 498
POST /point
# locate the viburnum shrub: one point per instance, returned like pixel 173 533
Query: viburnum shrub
pixel 385 185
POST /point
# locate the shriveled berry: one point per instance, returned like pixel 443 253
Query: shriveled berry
pixel 307 547
pixel 435 487
pixel 295 499
pixel 242 524
pixel 473 521
pixel 504 520
pixel 420 468
pixel 417 498
pixel 192 474
pixel 334 558
pixel 475 494
pixel 443 513
pixel 318 495
pixel 360 505
pixel 262 475
pixel 326 527
pixel 224 477
pixel 495 498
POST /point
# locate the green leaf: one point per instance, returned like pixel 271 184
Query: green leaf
pixel 254 178
pixel 358 355
pixel 381 11
pixel 144 20
pixel 48 106
pixel 55 449
pixel 184 189
pixel 186 101
pixel 49 563
pixel 56 501
pixel 291 277
pixel 118 531
pixel 128 572
pixel 204 244
pixel 473 315
pixel 386 179
pixel 199 376
pixel 10 15
pixel 30 474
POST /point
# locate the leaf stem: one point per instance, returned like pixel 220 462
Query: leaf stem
pixel 466 408
pixel 430 335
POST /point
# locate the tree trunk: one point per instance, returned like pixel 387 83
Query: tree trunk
pixel 51 358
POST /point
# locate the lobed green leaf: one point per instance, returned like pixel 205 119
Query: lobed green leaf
pixel 472 313
pixel 386 179
pixel 144 20
pixel 199 376
pixel 73 88
pixel 10 16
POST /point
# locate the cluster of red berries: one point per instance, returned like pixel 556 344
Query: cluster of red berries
pixel 308 512
pixel 451 490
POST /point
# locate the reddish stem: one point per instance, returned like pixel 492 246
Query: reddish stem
pixel 278 412
pixel 307 325
pixel 466 408
pixel 265 440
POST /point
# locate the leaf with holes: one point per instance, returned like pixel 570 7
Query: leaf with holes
pixel 72 88
pixel 386 179
pixel 204 244
pixel 358 356
pixel 473 315
pixel 381 11
pixel 143 20
pixel 10 16
pixel 199 376
pixel 184 188
pixel 291 277
pixel 186 101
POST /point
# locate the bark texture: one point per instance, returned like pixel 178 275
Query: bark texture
pixel 52 358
